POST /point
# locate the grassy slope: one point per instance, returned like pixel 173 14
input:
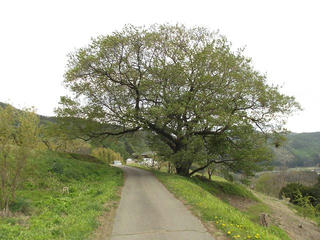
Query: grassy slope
pixel 201 196
pixel 50 214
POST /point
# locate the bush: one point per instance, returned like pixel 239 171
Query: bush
pixel 57 167
pixel 21 205
pixel 245 181
pixel 294 190
pixel 314 192
pixel 291 190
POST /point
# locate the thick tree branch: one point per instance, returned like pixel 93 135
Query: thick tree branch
pixel 209 163
pixel 108 133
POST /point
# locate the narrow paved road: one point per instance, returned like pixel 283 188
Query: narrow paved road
pixel 147 211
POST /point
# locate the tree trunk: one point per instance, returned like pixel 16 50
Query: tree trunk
pixel 210 172
pixel 183 169
pixel 5 211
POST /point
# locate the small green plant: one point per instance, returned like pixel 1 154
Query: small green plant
pixel 306 203
pixel 245 181
pixel 56 167
pixel 22 205
pixel 292 190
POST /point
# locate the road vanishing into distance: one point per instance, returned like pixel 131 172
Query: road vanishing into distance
pixel 148 211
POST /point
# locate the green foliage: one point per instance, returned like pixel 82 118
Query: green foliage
pixel 58 215
pixel 106 155
pixel 72 128
pixel 21 205
pixel 291 190
pixel 301 195
pixel 185 85
pixel 19 139
pixel 304 202
pixel 217 187
pixel 57 138
pixel 307 204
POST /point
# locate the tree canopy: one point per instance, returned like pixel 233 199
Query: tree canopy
pixel 187 86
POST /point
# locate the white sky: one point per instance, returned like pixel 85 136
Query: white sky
pixel 282 37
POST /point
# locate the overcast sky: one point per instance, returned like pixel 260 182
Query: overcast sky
pixel 282 37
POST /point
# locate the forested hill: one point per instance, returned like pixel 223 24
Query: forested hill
pixel 3 104
pixel 125 145
pixel 300 150
pixel 43 119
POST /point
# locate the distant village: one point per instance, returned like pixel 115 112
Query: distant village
pixel 146 158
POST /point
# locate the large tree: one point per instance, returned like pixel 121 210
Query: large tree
pixel 186 86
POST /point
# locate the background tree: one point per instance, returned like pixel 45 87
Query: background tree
pixel 106 155
pixel 57 138
pixel 183 85
pixel 19 136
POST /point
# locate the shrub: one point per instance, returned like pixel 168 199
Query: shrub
pixel 291 190
pixel 296 191
pixel 57 167
pixel 21 205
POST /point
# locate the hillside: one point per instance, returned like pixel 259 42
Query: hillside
pixel 43 119
pixel 44 210
pixel 300 150
pixel 125 145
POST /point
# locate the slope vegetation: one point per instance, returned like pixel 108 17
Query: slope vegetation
pixel 61 198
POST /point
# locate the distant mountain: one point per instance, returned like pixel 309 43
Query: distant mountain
pixel 3 104
pixel 300 150
pixel 125 145
pixel 43 119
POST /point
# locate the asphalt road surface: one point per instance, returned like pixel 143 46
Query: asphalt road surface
pixel 147 211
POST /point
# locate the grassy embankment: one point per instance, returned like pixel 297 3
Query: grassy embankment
pixel 209 201
pixel 43 211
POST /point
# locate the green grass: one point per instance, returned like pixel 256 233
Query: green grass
pixel 204 203
pixel 44 212
pixel 254 211
pixel 218 187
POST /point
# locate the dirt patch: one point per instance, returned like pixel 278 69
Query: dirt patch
pixel 106 220
pixel 296 227
pixel 104 230
pixel 215 232
pixel 237 202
